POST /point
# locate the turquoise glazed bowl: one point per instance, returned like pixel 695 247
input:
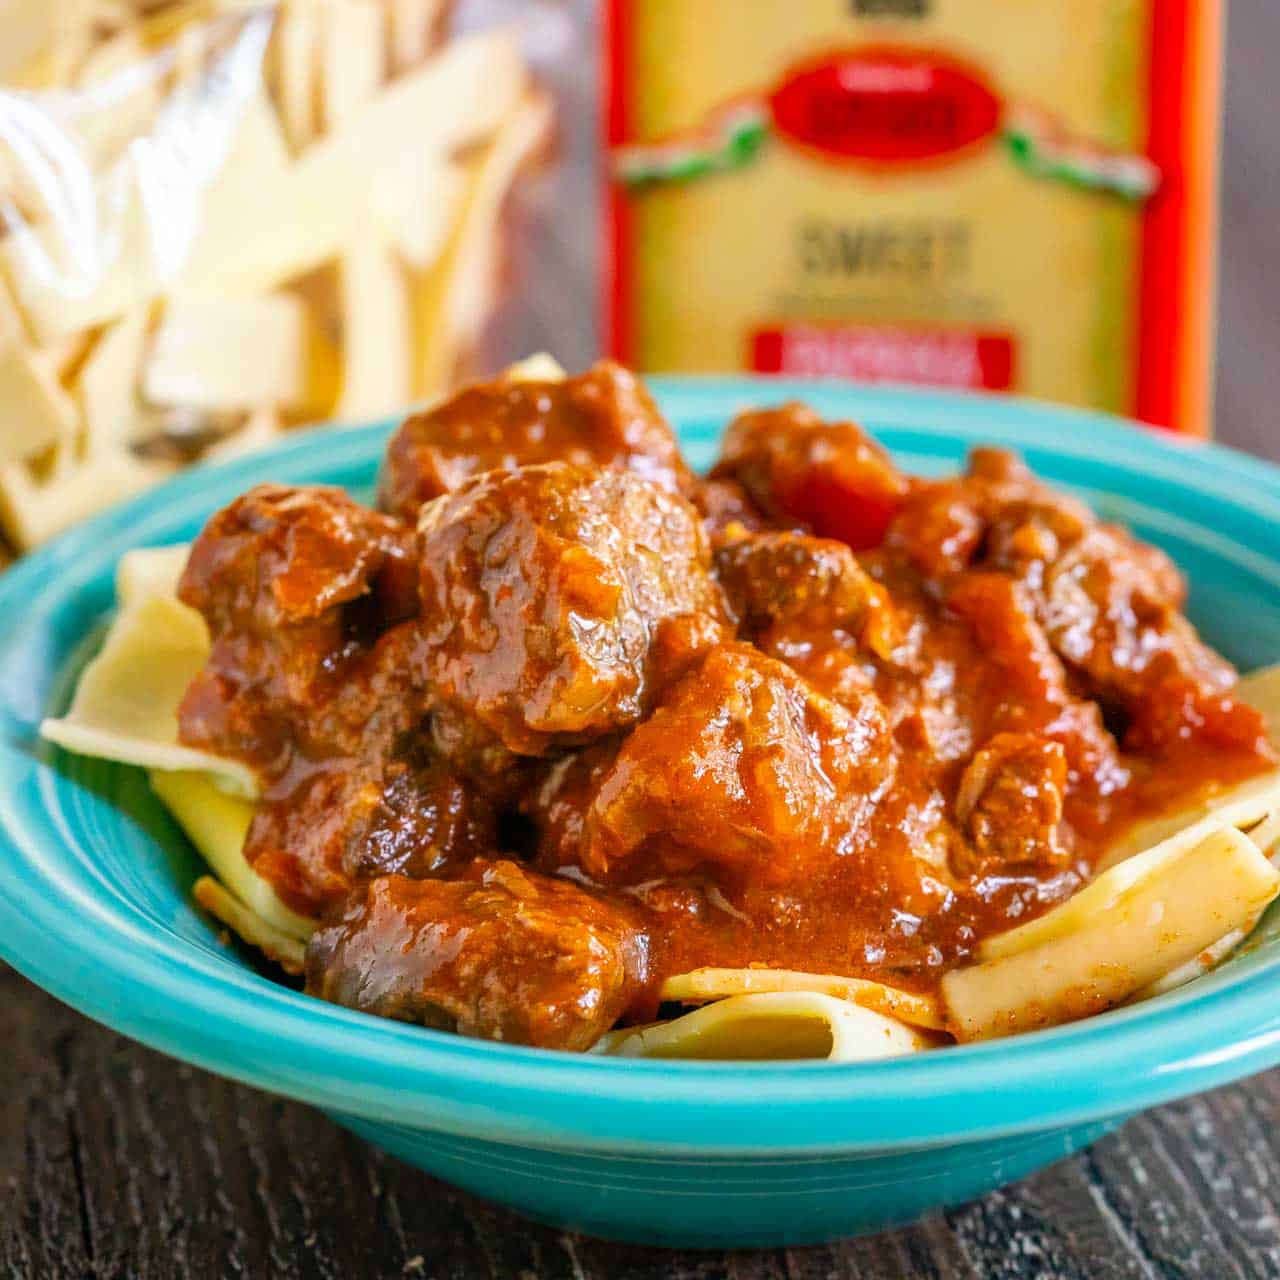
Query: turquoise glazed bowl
pixel 94 906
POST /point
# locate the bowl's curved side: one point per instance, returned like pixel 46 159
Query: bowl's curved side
pixel 93 887
pixel 727 1203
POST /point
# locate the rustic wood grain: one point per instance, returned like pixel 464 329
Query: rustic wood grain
pixel 119 1163
pixel 115 1162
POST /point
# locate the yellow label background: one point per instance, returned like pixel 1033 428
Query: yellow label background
pixel 1055 267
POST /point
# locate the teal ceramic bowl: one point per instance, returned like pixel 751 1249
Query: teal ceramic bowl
pixel 94 906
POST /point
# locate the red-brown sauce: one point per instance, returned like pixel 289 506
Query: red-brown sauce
pixel 569 721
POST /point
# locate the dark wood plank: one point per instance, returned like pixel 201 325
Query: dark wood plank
pixel 44 1228
pixel 121 1163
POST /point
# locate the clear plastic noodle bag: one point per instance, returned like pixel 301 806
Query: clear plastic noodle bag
pixel 555 238
pixel 221 220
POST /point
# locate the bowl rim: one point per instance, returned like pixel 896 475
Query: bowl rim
pixel 230 1021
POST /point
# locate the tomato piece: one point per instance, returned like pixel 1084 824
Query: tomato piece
pixel 830 476
pixel 854 509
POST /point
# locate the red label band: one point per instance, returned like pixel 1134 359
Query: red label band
pixel 885 106
pixel 928 357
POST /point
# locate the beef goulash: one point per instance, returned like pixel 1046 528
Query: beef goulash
pixel 565 738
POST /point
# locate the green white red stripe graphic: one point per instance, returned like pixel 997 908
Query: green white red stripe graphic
pixel 730 139
pixel 735 134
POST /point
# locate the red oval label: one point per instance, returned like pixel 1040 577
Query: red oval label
pixel 891 106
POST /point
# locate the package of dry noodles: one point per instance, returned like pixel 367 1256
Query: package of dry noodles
pixel 220 220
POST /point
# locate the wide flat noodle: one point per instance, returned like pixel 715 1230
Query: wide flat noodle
pixel 455 292
pixel 1266 835
pixel 32 511
pixel 1144 919
pixel 287 952
pixel 1209 958
pixel 268 221
pixel 230 354
pixel 1237 806
pixel 217 824
pixel 700 985
pixel 38 412
pixel 126 704
pixel 416 206
pixel 375 300
pixel 150 571
pixel 770 1026
pixel 539 367
pixel 1109 885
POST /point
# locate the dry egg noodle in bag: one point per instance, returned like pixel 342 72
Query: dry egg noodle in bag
pixel 1015 195
pixel 221 220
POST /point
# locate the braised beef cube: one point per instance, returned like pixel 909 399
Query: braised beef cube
pixel 1029 687
pixel 727 510
pixel 742 766
pixel 279 557
pixel 604 417
pixel 542 592
pixel 830 476
pixel 1010 802
pixel 504 954
pixel 1108 613
pixel 680 641
pixel 341 822
pixel 293 583
pixel 771 578
pixel 1109 605
pixel 938 529
pixel 557 807
pixel 809 603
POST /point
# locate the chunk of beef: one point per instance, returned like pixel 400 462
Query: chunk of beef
pixel 679 642
pixel 744 767
pixel 1010 802
pixel 326 828
pixel 293 583
pixel 830 476
pixel 1108 611
pixel 361 790
pixel 808 602
pixel 938 529
pixel 781 578
pixel 1027 687
pixel 504 954
pixel 727 512
pixel 542 591
pixel 558 804
pixel 996 516
pixel 314 678
pixel 604 416
pixel 1110 606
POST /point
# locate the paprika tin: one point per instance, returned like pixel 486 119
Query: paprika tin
pixel 1012 195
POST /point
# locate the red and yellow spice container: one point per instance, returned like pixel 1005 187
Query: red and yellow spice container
pixel 1015 195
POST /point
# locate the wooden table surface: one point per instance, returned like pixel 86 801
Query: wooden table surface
pixel 116 1162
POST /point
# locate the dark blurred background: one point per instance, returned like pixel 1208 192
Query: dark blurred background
pixel 1249 291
